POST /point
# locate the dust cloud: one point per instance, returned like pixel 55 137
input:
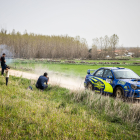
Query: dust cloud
pixel 70 82
pixel 61 79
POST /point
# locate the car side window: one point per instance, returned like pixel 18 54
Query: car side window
pixel 99 73
pixel 107 73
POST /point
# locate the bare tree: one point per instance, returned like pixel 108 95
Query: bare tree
pixel 106 45
pixel 122 51
pixel 114 40
pixel 94 51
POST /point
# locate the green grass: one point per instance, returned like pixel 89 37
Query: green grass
pixel 71 69
pixel 130 61
pixel 58 113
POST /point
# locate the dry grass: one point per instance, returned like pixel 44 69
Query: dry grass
pixel 115 109
pixel 58 113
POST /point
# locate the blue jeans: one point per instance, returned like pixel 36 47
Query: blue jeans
pixel 42 88
pixel 3 68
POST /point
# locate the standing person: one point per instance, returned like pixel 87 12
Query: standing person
pixel 7 74
pixel 3 61
pixel 41 80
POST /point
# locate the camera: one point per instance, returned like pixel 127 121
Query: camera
pixel 8 67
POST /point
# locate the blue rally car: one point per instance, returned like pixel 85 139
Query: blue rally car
pixel 117 81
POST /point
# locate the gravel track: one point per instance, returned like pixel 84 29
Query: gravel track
pixel 72 83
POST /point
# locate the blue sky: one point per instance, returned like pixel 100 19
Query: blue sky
pixel 85 18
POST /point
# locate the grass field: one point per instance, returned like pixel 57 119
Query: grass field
pixel 129 61
pixel 58 113
pixel 70 69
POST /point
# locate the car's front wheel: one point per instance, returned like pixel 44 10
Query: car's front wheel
pixel 119 92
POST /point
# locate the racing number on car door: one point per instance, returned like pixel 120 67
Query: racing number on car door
pixel 107 73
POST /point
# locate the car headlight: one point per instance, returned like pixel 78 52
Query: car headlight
pixel 134 87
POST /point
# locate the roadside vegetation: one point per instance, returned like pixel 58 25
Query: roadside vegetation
pixel 70 69
pixel 58 113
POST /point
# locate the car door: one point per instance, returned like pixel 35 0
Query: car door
pixel 108 77
pixel 107 73
pixel 98 84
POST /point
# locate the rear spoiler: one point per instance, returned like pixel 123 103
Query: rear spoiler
pixel 89 71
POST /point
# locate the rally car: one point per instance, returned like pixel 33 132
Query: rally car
pixel 117 81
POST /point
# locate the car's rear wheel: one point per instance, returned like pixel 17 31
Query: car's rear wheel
pixel 119 92
pixel 89 86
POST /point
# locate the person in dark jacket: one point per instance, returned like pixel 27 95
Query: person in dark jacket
pixel 3 65
pixel 41 80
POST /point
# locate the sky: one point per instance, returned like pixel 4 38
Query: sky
pixel 88 19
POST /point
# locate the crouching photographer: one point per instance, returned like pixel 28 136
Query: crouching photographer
pixel 41 80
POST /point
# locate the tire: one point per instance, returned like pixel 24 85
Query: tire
pixel 90 87
pixel 119 93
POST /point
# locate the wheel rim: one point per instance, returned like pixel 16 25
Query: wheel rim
pixel 89 87
pixel 118 93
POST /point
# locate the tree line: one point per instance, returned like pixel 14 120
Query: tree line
pixel 104 46
pixel 30 45
pixel 43 46
pixel 109 46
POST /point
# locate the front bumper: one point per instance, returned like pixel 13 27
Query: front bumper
pixel 131 93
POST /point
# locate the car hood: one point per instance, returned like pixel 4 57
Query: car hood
pixel 131 81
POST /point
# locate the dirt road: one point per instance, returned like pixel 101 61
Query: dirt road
pixel 73 83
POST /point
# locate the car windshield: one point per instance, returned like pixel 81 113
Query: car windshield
pixel 125 74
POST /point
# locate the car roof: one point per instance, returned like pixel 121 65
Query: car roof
pixel 114 68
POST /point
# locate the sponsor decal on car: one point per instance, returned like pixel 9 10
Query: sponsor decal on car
pixel 121 82
pixel 102 84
